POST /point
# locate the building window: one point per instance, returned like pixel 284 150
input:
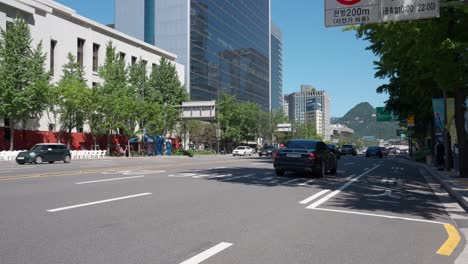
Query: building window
pixel 51 127
pixel 53 44
pixel 154 65
pixel 95 57
pixel 80 51
pixel 134 60
pixel 122 55
pixel 94 84
pixel 79 129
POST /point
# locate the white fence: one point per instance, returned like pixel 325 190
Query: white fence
pixel 75 154
pixel 9 155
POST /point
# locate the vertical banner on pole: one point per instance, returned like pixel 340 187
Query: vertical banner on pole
pixel 452 129
pixel 439 118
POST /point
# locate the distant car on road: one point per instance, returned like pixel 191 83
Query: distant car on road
pixel 385 151
pixel 348 149
pixel 267 151
pixel 335 150
pixel 45 152
pixel 374 151
pixel 242 151
pixel 310 156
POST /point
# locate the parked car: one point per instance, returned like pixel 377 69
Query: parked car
pixel 335 150
pixel 45 152
pixel 267 151
pixel 310 156
pixel 348 149
pixel 242 151
pixel 374 151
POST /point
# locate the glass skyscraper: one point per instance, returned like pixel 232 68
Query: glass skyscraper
pixel 224 44
pixel 276 68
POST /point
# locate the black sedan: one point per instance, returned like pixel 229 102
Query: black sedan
pixel 267 151
pixel 310 156
pixel 375 151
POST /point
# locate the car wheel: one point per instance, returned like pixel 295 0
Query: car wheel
pixel 51 162
pixel 259 154
pixel 67 159
pixel 279 173
pixel 38 160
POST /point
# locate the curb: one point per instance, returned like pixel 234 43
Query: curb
pixel 447 186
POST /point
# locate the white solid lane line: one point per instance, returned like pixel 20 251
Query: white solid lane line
pixel 183 175
pixel 306 183
pixel 291 181
pixel 97 202
pixel 350 176
pixel 113 179
pixel 378 215
pixel 313 197
pixel 207 253
pixel 240 177
pixel 332 194
pixel 220 176
pixel 201 176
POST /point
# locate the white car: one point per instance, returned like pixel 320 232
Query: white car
pixel 242 151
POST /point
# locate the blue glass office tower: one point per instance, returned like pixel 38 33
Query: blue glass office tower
pixel 224 44
pixel 149 21
pixel 276 68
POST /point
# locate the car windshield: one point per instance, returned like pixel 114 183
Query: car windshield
pixel 240 147
pixel 373 148
pixel 269 147
pixel 347 146
pixel 301 144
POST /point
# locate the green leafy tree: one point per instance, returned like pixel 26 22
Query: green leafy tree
pixel 115 98
pixel 71 98
pixel 24 85
pixel 164 88
pixel 306 131
pixel 422 59
pixel 138 81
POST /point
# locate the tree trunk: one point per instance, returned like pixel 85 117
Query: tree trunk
pixel 109 142
pixel 68 138
pixel 461 133
pixel 12 134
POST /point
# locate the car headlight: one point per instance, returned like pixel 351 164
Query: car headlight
pixel 32 154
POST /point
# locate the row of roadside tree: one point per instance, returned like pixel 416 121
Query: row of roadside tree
pixel 128 100
pixel 422 60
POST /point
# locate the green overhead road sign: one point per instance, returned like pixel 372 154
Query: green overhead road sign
pixel 385 116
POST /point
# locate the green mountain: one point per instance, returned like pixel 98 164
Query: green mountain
pixel 362 119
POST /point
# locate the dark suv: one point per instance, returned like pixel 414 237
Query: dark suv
pixel 49 152
pixel 348 149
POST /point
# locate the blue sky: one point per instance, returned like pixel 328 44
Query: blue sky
pixel 327 58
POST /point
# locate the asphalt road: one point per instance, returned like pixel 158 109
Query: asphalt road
pixel 224 210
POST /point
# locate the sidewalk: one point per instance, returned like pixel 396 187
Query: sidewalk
pixel 457 187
